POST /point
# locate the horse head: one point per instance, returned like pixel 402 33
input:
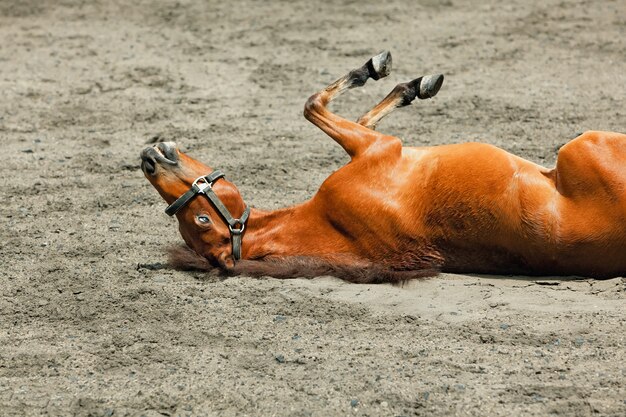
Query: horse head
pixel 202 201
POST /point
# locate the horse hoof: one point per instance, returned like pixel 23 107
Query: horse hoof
pixel 429 86
pixel 380 65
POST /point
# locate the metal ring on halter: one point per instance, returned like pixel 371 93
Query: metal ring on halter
pixel 239 231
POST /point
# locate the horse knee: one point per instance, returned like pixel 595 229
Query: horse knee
pixel 313 106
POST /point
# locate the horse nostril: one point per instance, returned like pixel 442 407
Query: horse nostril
pixel 148 165
pixel 148 161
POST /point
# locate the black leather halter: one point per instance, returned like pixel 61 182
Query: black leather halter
pixel 204 185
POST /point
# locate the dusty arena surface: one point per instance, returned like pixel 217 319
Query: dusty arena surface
pixel 94 322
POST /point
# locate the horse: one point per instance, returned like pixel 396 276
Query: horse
pixel 394 213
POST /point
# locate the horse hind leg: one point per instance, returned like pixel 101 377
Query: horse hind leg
pixel 402 95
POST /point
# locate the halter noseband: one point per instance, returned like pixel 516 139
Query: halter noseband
pixel 204 185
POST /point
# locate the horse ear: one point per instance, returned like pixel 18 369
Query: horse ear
pixel 183 258
pixel 226 261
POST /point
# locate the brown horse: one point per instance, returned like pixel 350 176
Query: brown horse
pixel 394 213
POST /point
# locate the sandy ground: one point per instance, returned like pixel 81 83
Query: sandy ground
pixel 92 322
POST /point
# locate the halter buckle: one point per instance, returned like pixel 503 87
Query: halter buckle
pixel 201 184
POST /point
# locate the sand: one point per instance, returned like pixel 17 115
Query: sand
pixel 94 323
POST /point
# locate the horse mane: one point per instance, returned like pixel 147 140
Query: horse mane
pixel 183 258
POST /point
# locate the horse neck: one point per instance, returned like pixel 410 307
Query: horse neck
pixel 294 231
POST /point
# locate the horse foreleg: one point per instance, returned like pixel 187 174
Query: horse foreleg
pixel 402 95
pixel 354 138
pixel 375 68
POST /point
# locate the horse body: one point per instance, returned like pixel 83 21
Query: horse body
pixel 470 207
pixel 462 208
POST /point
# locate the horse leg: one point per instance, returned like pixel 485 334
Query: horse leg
pixel 590 167
pixel 402 95
pixel 353 137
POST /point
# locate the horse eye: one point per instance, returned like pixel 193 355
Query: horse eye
pixel 203 219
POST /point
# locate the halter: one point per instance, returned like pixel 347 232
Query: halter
pixel 204 185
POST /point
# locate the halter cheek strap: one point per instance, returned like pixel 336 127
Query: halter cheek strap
pixel 204 185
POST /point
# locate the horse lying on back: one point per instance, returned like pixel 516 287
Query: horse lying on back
pixel 395 213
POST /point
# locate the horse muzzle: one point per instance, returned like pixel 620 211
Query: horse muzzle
pixel 163 154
